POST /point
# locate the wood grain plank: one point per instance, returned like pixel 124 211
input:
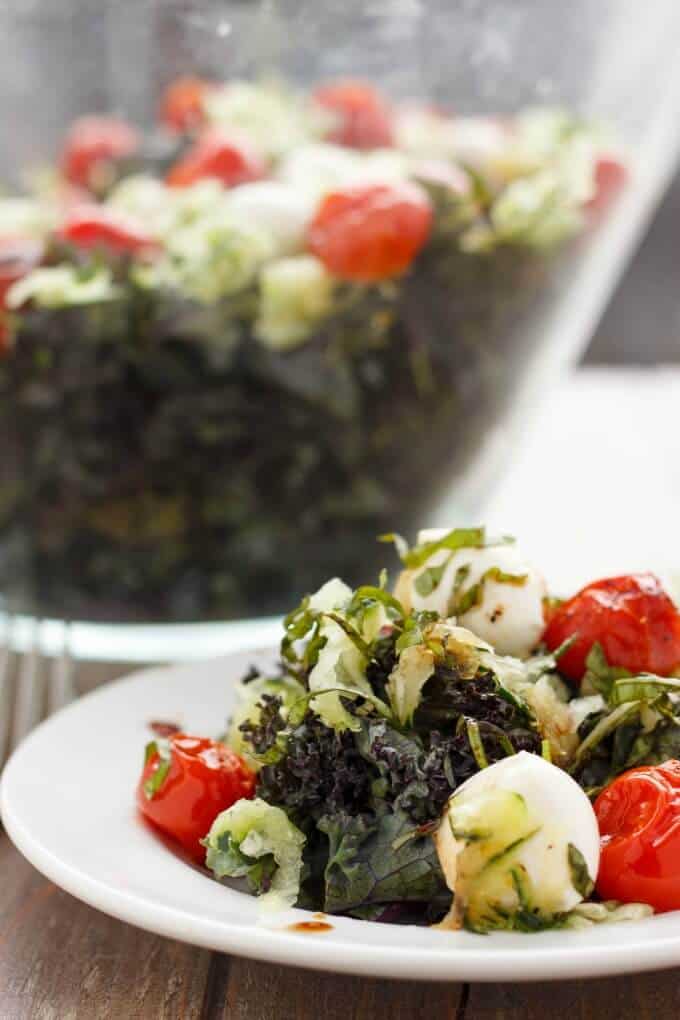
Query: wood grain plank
pixel 654 996
pixel 259 991
pixel 61 960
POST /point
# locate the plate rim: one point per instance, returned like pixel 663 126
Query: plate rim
pixel 270 944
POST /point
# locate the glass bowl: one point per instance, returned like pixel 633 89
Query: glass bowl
pixel 208 416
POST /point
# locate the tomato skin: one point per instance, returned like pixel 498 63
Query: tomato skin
pixel 204 778
pixel 91 226
pixel 220 156
pixel 18 256
pixel 610 176
pixel 370 232
pixel 632 618
pixel 364 118
pixel 92 145
pixel 181 108
pixel 639 819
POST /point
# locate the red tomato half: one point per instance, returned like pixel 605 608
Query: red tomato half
pixel 639 819
pixel 370 232
pixel 93 226
pixel 183 797
pixel 610 176
pixel 92 146
pixel 363 117
pixel 633 619
pixel 181 107
pixel 218 156
pixel 18 256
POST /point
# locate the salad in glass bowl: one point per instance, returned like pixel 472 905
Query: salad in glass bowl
pixel 464 751
pixel 235 347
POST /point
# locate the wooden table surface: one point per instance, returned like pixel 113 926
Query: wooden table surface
pixel 62 960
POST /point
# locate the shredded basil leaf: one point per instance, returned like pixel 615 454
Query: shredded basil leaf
pixel 150 750
pixel 158 776
pixel 476 743
pixel 430 578
pixel 644 687
pixel 580 876
pixel 352 633
pixel 472 598
pixel 509 849
pixel 367 595
pixel 400 544
pixel 604 728
pixel 459 538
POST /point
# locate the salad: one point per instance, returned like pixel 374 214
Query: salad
pixel 463 751
pixel 236 346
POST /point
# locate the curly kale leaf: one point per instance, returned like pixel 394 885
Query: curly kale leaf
pixel 450 698
pixel 319 771
pixel 262 735
pixel 419 774
pixel 378 860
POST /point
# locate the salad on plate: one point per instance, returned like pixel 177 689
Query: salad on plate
pixel 462 750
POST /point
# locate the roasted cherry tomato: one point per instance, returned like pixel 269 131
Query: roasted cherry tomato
pixel 639 819
pixel 183 794
pixel 92 147
pixel 370 232
pixel 181 107
pixel 230 161
pixel 632 618
pixel 18 256
pixel 363 119
pixel 93 226
pixel 610 176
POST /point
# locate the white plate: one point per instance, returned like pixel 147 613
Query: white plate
pixel 67 802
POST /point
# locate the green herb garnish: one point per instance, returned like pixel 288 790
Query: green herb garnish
pixel 580 876
pixel 154 782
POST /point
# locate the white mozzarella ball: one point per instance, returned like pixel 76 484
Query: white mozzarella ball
pixel 278 210
pixel 509 616
pixel 523 813
pixel 424 132
pixel 318 168
pixel 479 141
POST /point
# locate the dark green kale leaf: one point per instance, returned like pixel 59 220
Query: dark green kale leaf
pixel 450 697
pixel 666 744
pixel 383 660
pixel 378 860
pixel 321 771
pixel 399 759
pixel 418 773
pixel 262 735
